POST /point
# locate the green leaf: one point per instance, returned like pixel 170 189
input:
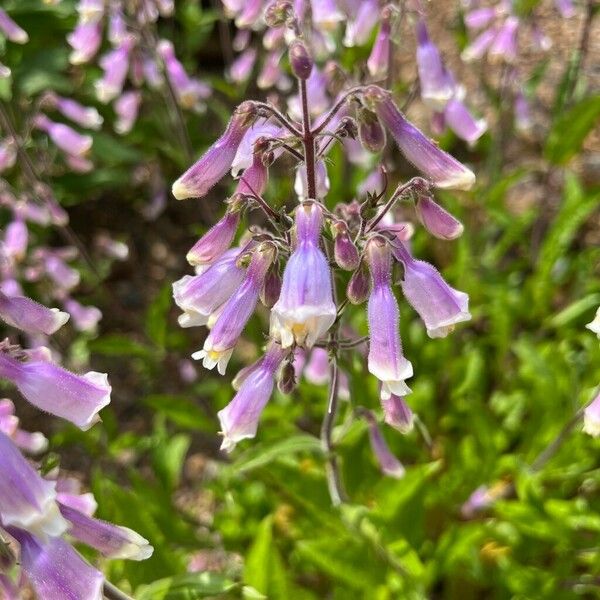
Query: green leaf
pixel 179 409
pixel 168 458
pixel 264 570
pixel 186 587
pixel 156 317
pixel 570 129
pixel 119 345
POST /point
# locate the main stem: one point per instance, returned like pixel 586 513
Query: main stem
pixel 308 139
pixel 112 592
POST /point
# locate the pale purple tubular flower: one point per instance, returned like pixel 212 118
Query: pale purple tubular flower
pixel 214 164
pixel 115 65
pixel 318 99
pixel 241 68
pixel 479 46
pixel 271 73
pixel 189 91
pixel 440 306
pixel 378 61
pixel 26 500
pixel 249 15
pixel 344 251
pixel 443 170
pixel 522 110
pixel 386 360
pixel 113 541
pixel 359 28
pixel 591 418
pixel 85 116
pixel 11 30
pixel 68 493
pixel 31 443
pixel 85 318
pixel 85 41
pixel 216 240
pixel 245 152
pixel 66 138
pixel 219 345
pixel 76 398
pixel 397 413
pixel 504 45
pixel 63 276
pixel 56 571
pixel 437 86
pixel 462 122
pixel 305 309
pixel 241 39
pixel 438 221
pixel 232 7
pixel 201 295
pixel 31 316
pixel 480 17
pixel 16 239
pixel 565 8
pixel 8 154
pixel 255 178
pixel 388 463
pixel 239 419
pixel 126 109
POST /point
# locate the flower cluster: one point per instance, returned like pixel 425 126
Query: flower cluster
pixel 299 262
pixel 40 512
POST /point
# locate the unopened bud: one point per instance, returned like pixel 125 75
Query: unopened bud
pixel 347 128
pixel 359 286
pixel 370 131
pixel 287 378
pixel 271 288
pixel 300 60
pixel 344 251
pixel 438 221
pixel 336 77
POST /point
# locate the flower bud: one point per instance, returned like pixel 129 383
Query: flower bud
pixel 278 13
pixel 388 463
pixel 271 288
pixel 438 221
pixel 397 413
pixel 358 286
pixel 300 60
pixel 287 378
pixel 344 251
pixel 370 131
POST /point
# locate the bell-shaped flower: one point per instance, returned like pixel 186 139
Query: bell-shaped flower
pixel 201 295
pixel 397 413
pixel 462 122
pixel 360 25
pixel 115 65
pixel 29 442
pixel 11 30
pixel 126 109
pixel 440 306
pixel 56 571
pixel 216 240
pixel 386 360
pixel 85 41
pixel 85 116
pixel 378 61
pixel 504 45
pixel 595 324
pixel 239 419
pixel 219 345
pixel 241 68
pixel 305 309
pixel 591 417
pixel 249 14
pixel 253 181
pixel 31 316
pixel 245 152
pixel 214 164
pixel 113 541
pixel 65 137
pixel 443 170
pixel 388 463
pixel 84 318
pixel 438 221
pixel 76 398
pixel 16 239
pixel 480 17
pixel 26 500
pixel 437 86
pixel 480 45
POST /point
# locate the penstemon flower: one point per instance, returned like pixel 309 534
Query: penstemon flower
pixel 299 260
